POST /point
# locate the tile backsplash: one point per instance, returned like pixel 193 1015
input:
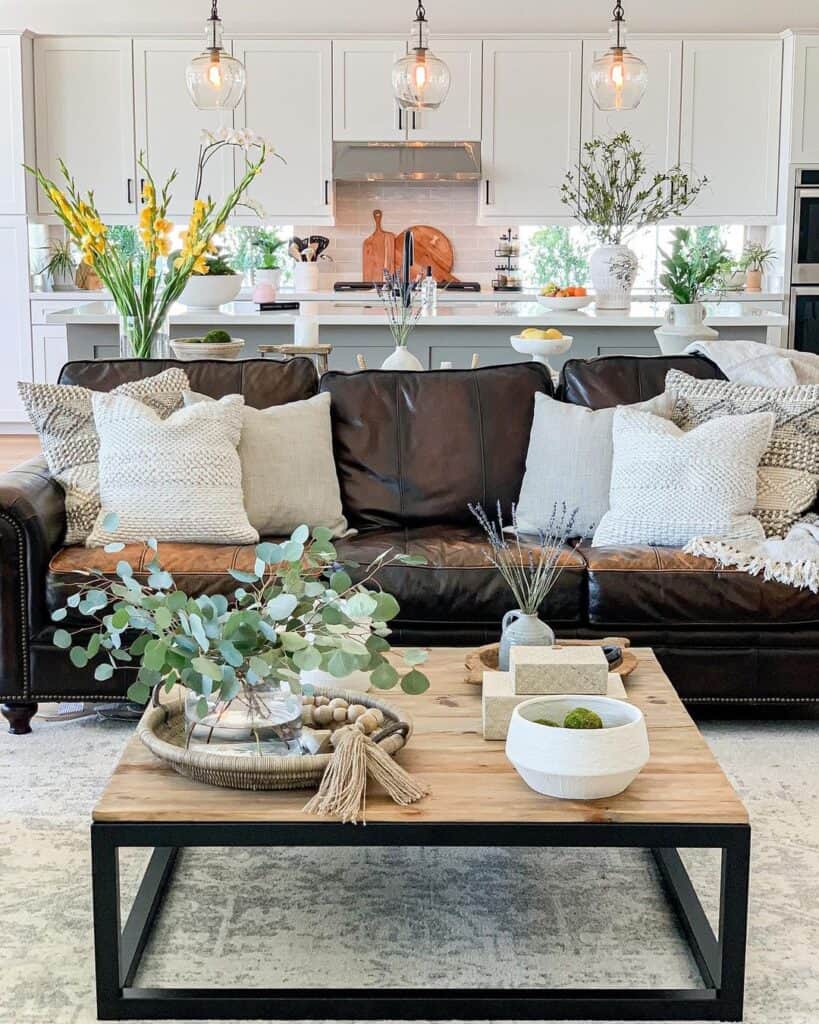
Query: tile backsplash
pixel 452 208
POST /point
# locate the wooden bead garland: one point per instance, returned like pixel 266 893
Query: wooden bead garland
pixel 338 714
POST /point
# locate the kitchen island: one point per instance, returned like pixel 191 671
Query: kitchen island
pixel 451 334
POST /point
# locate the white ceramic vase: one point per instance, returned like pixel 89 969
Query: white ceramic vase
pixel 683 325
pixel 306 277
pixel 401 359
pixel 357 682
pixel 268 276
pixel 520 629
pixel 613 272
pixel 577 764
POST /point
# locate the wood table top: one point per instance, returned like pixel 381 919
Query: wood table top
pixel 470 778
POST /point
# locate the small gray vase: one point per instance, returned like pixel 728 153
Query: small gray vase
pixel 523 629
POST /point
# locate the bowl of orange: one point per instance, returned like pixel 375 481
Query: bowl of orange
pixel 572 297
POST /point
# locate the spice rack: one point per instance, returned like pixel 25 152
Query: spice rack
pixel 506 264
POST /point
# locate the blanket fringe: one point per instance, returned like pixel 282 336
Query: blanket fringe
pixel 803 574
pixel 343 790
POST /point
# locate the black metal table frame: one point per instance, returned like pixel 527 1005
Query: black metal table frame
pixel 721 960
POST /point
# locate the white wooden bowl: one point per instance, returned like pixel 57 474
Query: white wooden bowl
pixel 188 351
pixel 577 764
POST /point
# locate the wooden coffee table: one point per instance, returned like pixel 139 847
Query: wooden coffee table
pixel 681 800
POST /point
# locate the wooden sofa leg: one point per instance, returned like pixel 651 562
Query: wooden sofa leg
pixel 19 717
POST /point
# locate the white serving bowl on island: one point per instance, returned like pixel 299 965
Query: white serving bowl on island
pixel 577 764
pixel 210 291
pixel 567 303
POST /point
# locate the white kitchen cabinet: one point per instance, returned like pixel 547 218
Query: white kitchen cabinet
pixel 289 101
pixel 655 124
pixel 85 115
pixel 805 89
pixel 168 125
pixel 16 124
pixel 15 339
pixel 531 127
pixel 364 107
pixel 50 350
pixel 731 97
pixel 458 119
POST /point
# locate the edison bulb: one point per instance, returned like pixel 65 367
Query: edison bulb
pixel 420 81
pixel 618 80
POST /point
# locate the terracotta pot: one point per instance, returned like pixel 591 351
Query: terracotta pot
pixel 753 280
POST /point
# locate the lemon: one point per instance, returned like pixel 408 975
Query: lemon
pixel 553 334
pixel 533 333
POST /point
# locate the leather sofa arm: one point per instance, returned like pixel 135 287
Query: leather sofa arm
pixel 32 525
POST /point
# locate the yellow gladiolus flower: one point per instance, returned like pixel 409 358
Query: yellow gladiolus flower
pixel 162 226
pixel 201 266
pixel 163 246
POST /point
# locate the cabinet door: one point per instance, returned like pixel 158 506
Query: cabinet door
pixel 731 95
pixel 12 152
pixel 458 119
pixel 15 341
pixel 655 124
pixel 85 115
pixel 805 142
pixel 50 353
pixel 168 125
pixel 531 127
pixel 364 107
pixel 289 102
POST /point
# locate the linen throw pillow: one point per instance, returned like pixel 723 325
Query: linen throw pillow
pixel 288 471
pixel 569 460
pixel 669 486
pixel 177 479
pixel 63 416
pixel 789 469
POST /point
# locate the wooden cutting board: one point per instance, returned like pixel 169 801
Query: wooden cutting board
pixel 378 251
pixel 432 249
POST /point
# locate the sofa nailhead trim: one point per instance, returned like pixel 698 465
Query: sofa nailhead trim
pixel 21 566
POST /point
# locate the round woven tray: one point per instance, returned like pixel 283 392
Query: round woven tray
pixel 162 730
pixel 485 659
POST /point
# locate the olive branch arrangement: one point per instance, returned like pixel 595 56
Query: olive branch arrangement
pixel 297 610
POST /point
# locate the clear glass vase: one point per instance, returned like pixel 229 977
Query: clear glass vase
pixel 261 719
pixel 135 342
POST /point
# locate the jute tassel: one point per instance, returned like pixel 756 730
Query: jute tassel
pixel 343 790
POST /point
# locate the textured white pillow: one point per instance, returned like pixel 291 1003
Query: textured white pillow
pixel 668 487
pixel 177 479
pixel 569 460
pixel 288 470
pixel 63 416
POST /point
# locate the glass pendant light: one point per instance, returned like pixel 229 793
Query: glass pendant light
pixel 420 80
pixel 215 79
pixel 618 79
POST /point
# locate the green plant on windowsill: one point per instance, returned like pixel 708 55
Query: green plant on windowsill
pixel 267 245
pixel 61 265
pixel 756 256
pixel 693 267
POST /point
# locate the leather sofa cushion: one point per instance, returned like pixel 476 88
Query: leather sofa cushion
pixel 263 382
pixel 457 585
pixel 414 449
pixel 653 587
pixel 624 380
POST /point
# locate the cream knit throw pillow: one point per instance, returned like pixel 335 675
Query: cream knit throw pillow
pixel 177 479
pixel 789 469
pixel 288 471
pixel 63 416
pixel 668 487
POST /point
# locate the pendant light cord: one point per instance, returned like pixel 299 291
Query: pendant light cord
pixel 421 18
pixel 214 11
pixel 619 18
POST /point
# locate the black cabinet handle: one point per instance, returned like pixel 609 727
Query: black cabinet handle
pixel 326 192
pixel 400 119
pixel 488 196
pixel 414 123
pixel 130 191
pixel 142 188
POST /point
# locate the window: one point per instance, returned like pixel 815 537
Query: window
pixel 561 254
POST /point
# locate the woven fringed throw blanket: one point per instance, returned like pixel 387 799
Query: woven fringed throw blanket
pixel 793 560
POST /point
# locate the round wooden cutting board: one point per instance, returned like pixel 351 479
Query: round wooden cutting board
pixel 432 249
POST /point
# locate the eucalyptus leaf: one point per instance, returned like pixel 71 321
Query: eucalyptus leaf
pixel 292 551
pixel 415 656
pixel 163 618
pixel 260 667
pixel 341 664
pixel 62 639
pixel 386 607
pixel 124 569
pixel 282 607
pixel 361 606
pixel 78 657
pixel 307 659
pixel 414 683
pixel 207 668
pixel 385 677
pixel 113 548
pixel 231 655
pixel 139 693
pixel 58 614
pixel 103 672
pixel 244 577
pixel 270 554
pixel 111 522
pixel 300 535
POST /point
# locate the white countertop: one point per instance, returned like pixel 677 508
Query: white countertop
pixel 461 314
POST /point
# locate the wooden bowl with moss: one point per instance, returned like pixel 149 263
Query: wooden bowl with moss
pixel 214 345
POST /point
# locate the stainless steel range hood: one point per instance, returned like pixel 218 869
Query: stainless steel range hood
pixel 407 161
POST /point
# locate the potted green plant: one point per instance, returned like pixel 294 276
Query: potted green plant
pixel 755 259
pixel 216 344
pixel 61 266
pixel 213 284
pixel 693 267
pixel 239 659
pixel 268 267
pixel 613 193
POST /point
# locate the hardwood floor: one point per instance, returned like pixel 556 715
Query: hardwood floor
pixel 16 448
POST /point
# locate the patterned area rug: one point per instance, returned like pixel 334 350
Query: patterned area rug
pixel 438 917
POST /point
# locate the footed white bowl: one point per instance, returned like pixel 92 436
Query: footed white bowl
pixel 567 302
pixel 577 764
pixel 206 291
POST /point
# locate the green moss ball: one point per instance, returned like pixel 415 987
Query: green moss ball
pixel 547 721
pixel 582 718
pixel 216 338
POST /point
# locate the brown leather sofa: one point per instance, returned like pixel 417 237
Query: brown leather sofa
pixel 412 451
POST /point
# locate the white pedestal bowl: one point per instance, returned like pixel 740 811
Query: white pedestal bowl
pixel 577 764
pixel 541 348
